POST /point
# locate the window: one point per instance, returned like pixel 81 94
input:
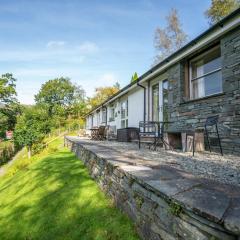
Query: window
pixel 165 100
pixel 98 118
pixel 111 114
pixel 155 102
pixel 205 74
pixel 104 115
pixel 124 114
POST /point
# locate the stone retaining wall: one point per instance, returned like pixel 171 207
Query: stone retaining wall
pixel 156 215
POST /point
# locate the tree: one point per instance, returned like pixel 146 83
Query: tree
pixel 169 39
pixel 8 117
pixel 220 8
pixel 7 88
pixel 31 127
pixel 117 85
pixel 9 107
pixel 58 95
pixel 102 94
pixel 134 77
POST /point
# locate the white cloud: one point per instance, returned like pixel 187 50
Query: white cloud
pixel 55 44
pixel 88 47
pixel 60 52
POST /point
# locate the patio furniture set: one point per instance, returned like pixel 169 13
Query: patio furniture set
pixel 156 133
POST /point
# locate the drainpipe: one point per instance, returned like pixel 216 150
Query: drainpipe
pixel 144 101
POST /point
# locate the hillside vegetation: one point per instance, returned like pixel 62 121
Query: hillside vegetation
pixel 52 196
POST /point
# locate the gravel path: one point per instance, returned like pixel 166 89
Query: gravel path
pixel 225 169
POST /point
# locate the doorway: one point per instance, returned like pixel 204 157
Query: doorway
pixel 160 101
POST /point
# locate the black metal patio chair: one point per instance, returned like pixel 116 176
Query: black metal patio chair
pixel 213 123
pixel 102 133
pixel 210 127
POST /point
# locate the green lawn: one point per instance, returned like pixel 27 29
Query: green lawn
pixel 53 198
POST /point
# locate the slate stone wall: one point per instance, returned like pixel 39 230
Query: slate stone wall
pixel 192 114
pixel 155 216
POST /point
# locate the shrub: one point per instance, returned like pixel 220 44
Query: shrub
pixel 6 152
pixel 37 148
pixel 22 165
pixel 12 171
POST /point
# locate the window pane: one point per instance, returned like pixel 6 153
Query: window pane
pixel 112 114
pixel 207 63
pixel 104 115
pixel 165 100
pixel 122 123
pixel 124 109
pixel 207 85
pixel 155 102
pixel 213 83
pixel 198 88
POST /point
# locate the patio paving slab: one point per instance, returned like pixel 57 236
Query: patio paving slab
pixel 175 186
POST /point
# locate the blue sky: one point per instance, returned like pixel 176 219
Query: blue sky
pixel 95 43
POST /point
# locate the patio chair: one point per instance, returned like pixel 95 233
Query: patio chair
pixel 102 133
pixel 210 127
pixel 148 133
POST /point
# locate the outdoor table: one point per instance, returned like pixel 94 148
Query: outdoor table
pixel 161 131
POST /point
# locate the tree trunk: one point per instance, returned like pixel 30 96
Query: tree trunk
pixel 29 152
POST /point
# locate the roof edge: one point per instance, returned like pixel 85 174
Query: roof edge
pixel 167 59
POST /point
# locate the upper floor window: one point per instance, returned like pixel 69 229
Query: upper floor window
pixel 206 74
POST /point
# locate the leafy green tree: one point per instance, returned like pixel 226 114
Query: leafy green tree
pixel 8 117
pixel 221 8
pixel 31 127
pixel 9 107
pixel 58 95
pixel 7 88
pixel 134 77
pixel 169 39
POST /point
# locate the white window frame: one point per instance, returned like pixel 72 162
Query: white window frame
pixel 125 118
pixel 104 115
pixel 202 76
pixel 111 114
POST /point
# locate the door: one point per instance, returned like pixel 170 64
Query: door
pixel 155 102
pixel 160 101
pixel 164 104
pixel 124 114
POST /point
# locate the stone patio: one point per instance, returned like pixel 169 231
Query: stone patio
pixel 167 174
pixel 225 169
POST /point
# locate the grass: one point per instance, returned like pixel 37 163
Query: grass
pixel 52 197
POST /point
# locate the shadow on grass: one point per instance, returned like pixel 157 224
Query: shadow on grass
pixel 56 199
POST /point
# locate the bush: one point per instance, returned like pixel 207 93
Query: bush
pixel 37 148
pixel 12 171
pixel 22 165
pixel 6 152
